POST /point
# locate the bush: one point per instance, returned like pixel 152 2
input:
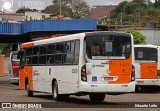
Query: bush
pixel 5 49
pixel 138 37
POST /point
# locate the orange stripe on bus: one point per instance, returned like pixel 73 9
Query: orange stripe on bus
pixel 122 70
pixel 148 70
pixel 27 45
pixel 26 72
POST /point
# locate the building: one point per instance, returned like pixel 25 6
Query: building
pixel 12 17
pixel 58 17
pixel 36 16
pixel 101 12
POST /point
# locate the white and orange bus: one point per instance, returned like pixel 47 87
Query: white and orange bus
pixel 13 68
pixel 93 63
pixel 147 66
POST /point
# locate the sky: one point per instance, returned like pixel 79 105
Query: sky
pixel 41 4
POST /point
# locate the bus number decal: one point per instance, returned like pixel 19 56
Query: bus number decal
pixel 74 70
pixel 35 73
pixel 49 71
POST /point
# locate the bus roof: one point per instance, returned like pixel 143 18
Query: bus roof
pixel 71 37
pixel 147 45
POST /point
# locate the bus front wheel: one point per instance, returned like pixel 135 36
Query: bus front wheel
pixel 29 92
pixel 97 97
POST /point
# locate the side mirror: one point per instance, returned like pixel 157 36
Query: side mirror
pixel 21 67
pixel 88 68
pixel 19 55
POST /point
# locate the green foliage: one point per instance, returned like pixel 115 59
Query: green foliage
pixel 135 6
pixel 48 18
pixel 119 8
pixel 138 37
pixel 5 49
pixel 157 4
pixel 55 9
pixel 137 12
pixel 81 10
pixel 69 8
pixel 23 10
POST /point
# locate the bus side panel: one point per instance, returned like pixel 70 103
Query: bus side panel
pixel 58 73
pixel 122 70
pixel 148 70
pixel 137 71
pixel 73 77
pixel 48 79
pixel 26 72
pixel 38 77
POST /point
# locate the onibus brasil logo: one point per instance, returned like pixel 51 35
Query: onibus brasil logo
pixel 7 5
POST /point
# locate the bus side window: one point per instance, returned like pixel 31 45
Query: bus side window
pixel 35 50
pixel 42 56
pixel 35 55
pixel 69 52
pixel 77 51
pixel 60 48
pixel 50 49
pixel 28 56
pixel 22 59
pixel 50 59
pixel 59 53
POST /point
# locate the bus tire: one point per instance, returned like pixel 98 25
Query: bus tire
pixel 97 97
pixel 137 89
pixel 55 91
pixel 29 92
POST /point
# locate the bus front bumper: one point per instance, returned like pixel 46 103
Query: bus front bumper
pixel 107 88
pixel 148 82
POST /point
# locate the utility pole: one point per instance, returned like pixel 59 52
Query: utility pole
pixel 60 10
pixel 116 24
pixel 121 18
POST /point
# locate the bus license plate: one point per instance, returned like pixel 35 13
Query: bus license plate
pixel 108 78
pixel 140 82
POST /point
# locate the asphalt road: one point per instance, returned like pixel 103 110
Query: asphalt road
pixel 11 93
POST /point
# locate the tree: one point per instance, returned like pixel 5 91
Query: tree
pixel 135 6
pixel 81 10
pixel 157 4
pixel 69 3
pixel 138 37
pixel 119 8
pixel 66 11
pixel 5 49
pixel 23 10
pixel 135 12
pixel 76 8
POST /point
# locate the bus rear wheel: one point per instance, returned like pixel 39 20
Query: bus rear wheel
pixel 56 96
pixel 55 91
pixel 29 92
pixel 96 97
pixel 137 89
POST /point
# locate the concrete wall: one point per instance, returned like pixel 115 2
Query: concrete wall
pixel 35 16
pixel 152 36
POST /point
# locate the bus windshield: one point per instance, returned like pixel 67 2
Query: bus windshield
pixel 144 53
pixel 108 47
pixel 14 56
